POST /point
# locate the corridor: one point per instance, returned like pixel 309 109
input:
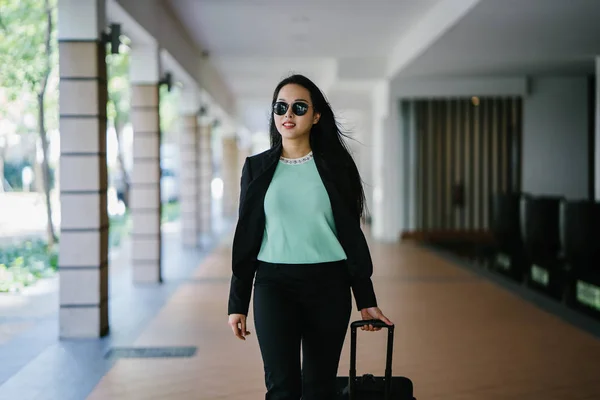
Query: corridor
pixel 473 124
pixel 460 335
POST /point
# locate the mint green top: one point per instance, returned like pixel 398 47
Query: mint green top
pixel 299 226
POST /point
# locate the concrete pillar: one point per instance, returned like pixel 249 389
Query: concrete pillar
pixel 411 146
pixel 359 122
pixel 145 204
pixel 190 159
pixel 205 177
pixel 83 258
pixel 597 137
pixel 231 170
pixel 387 167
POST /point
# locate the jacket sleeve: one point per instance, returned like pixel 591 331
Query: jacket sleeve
pixel 360 276
pixel 242 273
pixel 361 269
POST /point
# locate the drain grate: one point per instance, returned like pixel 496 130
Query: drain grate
pixel 151 352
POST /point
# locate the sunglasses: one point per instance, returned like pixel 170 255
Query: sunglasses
pixel 298 108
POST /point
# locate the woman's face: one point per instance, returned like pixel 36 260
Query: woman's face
pixel 289 124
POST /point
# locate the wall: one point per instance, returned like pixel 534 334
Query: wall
pixel 387 166
pixel 430 88
pixel 555 133
pixel 556 137
pixel 460 143
pixel 357 124
pixel 459 87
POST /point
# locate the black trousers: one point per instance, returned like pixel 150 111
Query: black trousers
pixel 304 306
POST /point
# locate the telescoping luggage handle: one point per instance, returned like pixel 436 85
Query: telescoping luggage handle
pixel 388 360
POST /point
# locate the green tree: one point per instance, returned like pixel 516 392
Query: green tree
pixel 28 57
pixel 119 100
pixel 169 102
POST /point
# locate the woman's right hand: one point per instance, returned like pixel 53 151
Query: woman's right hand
pixel 237 322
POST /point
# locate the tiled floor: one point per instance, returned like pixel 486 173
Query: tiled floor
pixel 36 365
pixel 458 336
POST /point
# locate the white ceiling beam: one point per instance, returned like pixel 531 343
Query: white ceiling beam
pixel 443 16
pixel 179 74
pixel 362 68
pixel 129 26
pixel 459 86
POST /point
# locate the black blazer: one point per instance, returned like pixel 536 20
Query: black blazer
pixel 257 173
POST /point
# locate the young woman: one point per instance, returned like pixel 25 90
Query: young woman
pixel 298 237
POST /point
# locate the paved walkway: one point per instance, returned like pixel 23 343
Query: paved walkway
pixel 459 335
pixel 34 364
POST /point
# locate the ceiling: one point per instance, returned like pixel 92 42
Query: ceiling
pixel 517 37
pixel 310 28
pixel 347 46
pixel 256 43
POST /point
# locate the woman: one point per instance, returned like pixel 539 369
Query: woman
pixel 299 237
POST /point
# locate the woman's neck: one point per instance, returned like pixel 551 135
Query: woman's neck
pixel 295 148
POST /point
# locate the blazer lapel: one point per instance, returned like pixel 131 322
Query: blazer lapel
pixel 263 173
pixel 327 169
pixel 261 180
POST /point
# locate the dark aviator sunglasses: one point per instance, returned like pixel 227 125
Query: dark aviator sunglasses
pixel 298 108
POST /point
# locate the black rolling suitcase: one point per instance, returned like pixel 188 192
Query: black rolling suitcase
pixel 369 387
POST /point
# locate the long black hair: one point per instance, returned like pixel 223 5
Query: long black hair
pixel 326 137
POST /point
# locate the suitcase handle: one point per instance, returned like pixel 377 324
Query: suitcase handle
pixel 377 323
pixel 388 360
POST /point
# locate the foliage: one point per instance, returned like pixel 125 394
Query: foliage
pixel 118 108
pixel 13 175
pixel 28 75
pixel 119 228
pixel 168 109
pixel 23 25
pixel 170 211
pixel 22 264
pixel 119 93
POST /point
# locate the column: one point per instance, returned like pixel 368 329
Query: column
pixel 411 143
pixel 231 176
pixel 205 177
pixel 387 167
pixel 190 159
pixel 361 148
pixel 145 204
pixel 83 258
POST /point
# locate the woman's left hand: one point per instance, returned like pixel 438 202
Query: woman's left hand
pixel 373 313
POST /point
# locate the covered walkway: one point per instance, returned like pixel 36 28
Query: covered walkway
pixel 461 334
pixel 452 103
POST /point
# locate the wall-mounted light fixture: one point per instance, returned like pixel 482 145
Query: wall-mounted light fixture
pixel 167 79
pixel 113 36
